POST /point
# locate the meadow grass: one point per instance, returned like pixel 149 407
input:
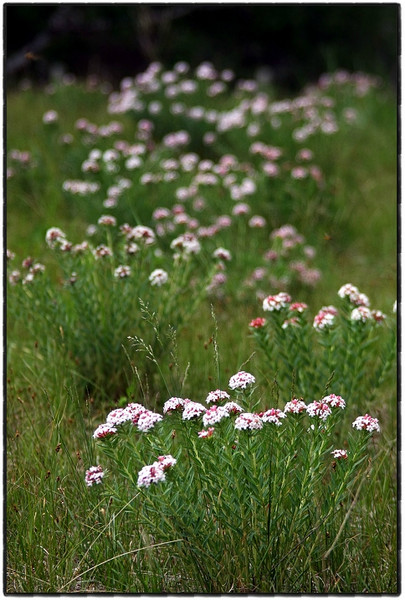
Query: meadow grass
pixel 65 537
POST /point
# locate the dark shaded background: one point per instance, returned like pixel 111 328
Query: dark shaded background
pixel 297 42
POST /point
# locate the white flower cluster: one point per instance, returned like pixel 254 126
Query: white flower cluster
pixel 351 292
pixel 277 302
pixel 367 423
pixel 295 406
pixel 319 409
pixel 214 414
pixel 241 380
pixel 158 277
pixel 94 475
pixel 249 421
pixel 217 395
pixel 273 415
pixel 156 472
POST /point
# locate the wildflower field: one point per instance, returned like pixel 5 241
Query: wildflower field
pixel 201 335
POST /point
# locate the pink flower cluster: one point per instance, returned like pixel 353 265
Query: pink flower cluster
pixel 174 404
pixel 241 380
pixel 277 302
pixel 94 475
pixel 155 473
pixel 366 423
pixel 325 318
pixel 248 421
pixel 257 323
pixel 352 293
pixel 214 414
pixel 273 415
pixel 216 396
pixel 319 409
pixel 295 406
pixel 334 401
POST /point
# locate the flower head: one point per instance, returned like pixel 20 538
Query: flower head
pixel 143 234
pixel 104 430
pixel 366 422
pixel 233 408
pixel 257 323
pixel 158 277
pixel 273 415
pixel 186 243
pixel 118 416
pixel 241 380
pixel 102 251
pixel 174 404
pixel 295 406
pixel 206 433
pixel 151 474
pixel 94 475
pixel 166 462
pixel 378 316
pixel 122 272
pixel 277 302
pixel 319 409
pixel 214 414
pixel 107 220
pixel 339 454
pixel 298 307
pixel 352 293
pixel 147 420
pixel 323 320
pixel 222 253
pixel 193 410
pixel 362 314
pixel 217 395
pixel 292 322
pixel 248 421
pixel 334 401
pixel 54 236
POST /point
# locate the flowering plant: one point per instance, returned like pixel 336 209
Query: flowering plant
pixel 242 495
pixel 348 346
pixel 117 282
